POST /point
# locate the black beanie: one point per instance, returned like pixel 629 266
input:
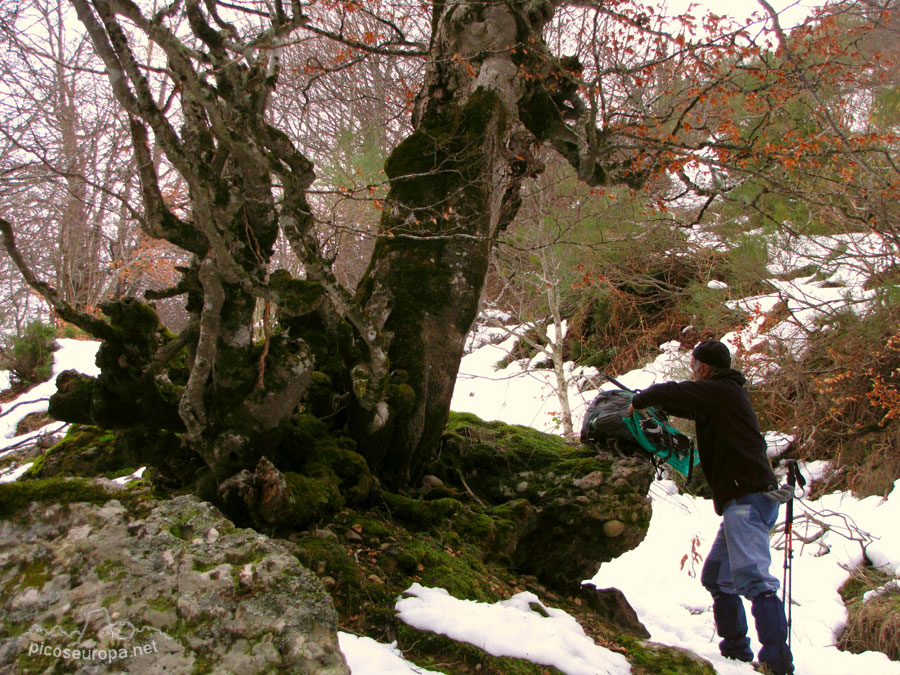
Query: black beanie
pixel 713 353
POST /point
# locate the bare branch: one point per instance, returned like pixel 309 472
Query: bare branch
pixel 92 325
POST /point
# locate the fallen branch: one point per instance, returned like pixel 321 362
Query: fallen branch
pixel 469 490
pixel 37 400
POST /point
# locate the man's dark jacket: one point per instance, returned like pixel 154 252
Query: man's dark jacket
pixel 731 448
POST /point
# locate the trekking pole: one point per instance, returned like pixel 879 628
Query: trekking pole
pixel 614 381
pixel 793 477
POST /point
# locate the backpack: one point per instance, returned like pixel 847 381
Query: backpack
pixel 646 433
pixel 604 419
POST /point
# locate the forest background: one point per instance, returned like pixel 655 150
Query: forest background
pixel 319 200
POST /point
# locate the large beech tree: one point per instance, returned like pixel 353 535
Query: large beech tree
pixel 217 405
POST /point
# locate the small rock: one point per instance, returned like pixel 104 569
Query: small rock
pixel 111 509
pixel 430 481
pixel 611 604
pixel 613 528
pixel 593 480
pixel 80 532
pixel 28 597
pixel 32 451
pixel 245 576
pixel 45 441
pixel 324 534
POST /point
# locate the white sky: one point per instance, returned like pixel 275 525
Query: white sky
pixel 791 12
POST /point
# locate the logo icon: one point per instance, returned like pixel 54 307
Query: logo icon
pixel 128 640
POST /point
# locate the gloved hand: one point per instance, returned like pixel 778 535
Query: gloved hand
pixel 782 495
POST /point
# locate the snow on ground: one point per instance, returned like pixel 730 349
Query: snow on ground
pixel 522 627
pixel 365 655
pixel 72 354
pixel 660 578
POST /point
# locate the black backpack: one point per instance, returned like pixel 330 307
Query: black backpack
pixel 603 420
pixel 607 425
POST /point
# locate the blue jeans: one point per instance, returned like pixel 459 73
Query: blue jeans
pixel 738 564
pixel 739 560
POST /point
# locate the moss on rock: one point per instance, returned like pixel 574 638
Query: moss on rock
pixel 438 652
pixel 421 512
pixel 314 496
pixel 651 658
pixel 20 494
pixel 84 451
pixel 538 490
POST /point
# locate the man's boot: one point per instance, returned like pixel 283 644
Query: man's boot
pixel 771 627
pixel 731 625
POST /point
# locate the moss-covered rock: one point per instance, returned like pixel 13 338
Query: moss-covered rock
pixel 339 474
pixel 553 509
pixel 872 598
pixel 176 577
pixel 84 451
pixel 303 474
pixel 18 495
pixel 475 529
pixel 652 658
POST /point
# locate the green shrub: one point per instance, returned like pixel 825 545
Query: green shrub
pixel 745 267
pixel 30 357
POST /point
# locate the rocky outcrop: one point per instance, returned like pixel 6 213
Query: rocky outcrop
pixel 565 508
pixel 585 513
pixel 159 587
pixel 611 605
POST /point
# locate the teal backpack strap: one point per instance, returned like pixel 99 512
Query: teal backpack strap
pixel 665 451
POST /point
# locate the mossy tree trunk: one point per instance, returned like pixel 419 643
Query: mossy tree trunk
pixel 386 356
pixel 493 93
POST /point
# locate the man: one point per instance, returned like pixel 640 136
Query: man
pixel 733 458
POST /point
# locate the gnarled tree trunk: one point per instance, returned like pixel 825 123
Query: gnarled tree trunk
pixel 492 93
pixel 379 364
